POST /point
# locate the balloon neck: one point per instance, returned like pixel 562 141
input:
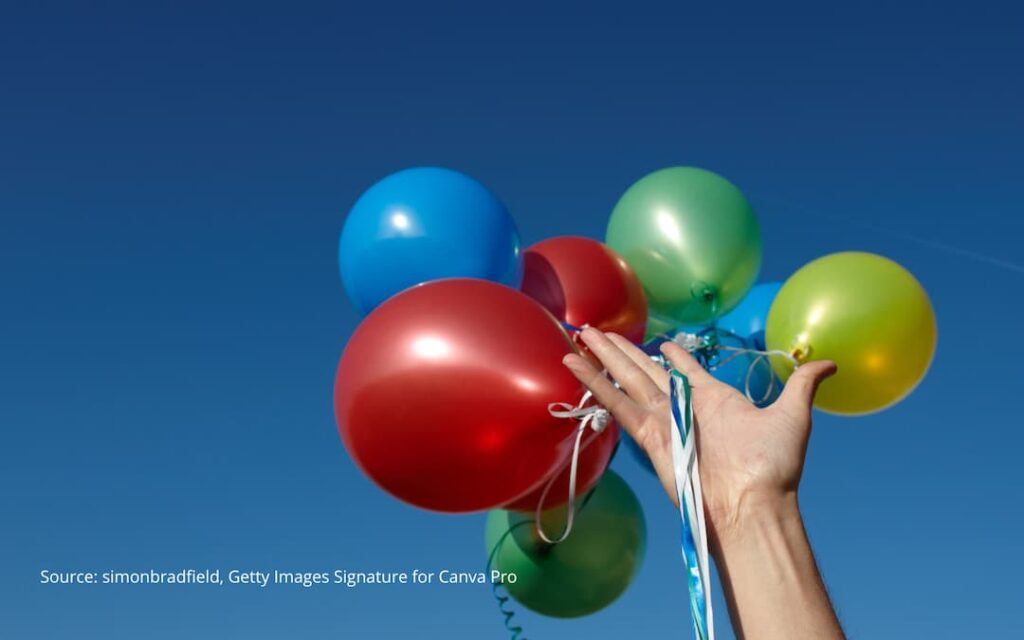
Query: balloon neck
pixel 801 353
pixel 706 294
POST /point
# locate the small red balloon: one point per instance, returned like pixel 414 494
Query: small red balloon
pixel 595 454
pixel 442 395
pixel 582 281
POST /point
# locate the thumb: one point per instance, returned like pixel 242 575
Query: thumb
pixel 798 394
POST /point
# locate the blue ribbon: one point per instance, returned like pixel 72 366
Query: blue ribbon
pixel 682 421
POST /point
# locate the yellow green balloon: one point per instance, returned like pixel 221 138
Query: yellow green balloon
pixel 692 239
pixel 867 314
pixel 586 572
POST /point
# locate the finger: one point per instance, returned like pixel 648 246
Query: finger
pixel 642 360
pixel 681 359
pixel 626 412
pixel 626 372
pixel 798 394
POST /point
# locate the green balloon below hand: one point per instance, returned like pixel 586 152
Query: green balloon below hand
pixel 867 314
pixel 693 240
pixel 588 571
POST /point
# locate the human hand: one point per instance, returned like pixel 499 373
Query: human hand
pixel 750 458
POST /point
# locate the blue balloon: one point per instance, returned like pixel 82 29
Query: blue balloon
pixel 729 363
pixel 748 318
pixel 425 224
pixel 736 368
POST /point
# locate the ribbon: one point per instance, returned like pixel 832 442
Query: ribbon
pixel 691 506
pixel 705 346
pixel 594 416
pixel 515 631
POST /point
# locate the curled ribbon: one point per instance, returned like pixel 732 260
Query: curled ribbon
pixel 705 345
pixel 514 629
pixel 594 416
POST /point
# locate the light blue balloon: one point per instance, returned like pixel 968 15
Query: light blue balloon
pixel 734 367
pixel 748 318
pixel 726 363
pixel 424 224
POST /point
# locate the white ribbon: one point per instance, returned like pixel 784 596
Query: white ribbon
pixel 694 543
pixel 594 416
pixel 694 342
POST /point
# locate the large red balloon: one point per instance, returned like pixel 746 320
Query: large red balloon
pixel 595 455
pixel 582 281
pixel 442 395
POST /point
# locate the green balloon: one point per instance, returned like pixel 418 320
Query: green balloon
pixel 588 571
pixel 867 314
pixel 693 240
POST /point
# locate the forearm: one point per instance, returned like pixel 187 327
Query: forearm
pixel 771 581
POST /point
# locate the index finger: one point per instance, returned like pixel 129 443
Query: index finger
pixel 681 359
pixel 627 373
pixel 626 412
pixel 642 360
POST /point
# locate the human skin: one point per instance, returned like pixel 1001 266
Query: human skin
pixel 751 461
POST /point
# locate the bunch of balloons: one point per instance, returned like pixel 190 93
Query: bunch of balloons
pixel 444 392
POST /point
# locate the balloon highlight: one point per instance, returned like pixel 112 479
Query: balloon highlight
pixel 867 314
pixel 693 240
pixel 425 224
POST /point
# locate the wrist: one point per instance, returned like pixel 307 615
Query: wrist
pixel 767 567
pixel 755 512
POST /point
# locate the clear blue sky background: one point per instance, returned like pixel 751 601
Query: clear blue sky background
pixel 173 178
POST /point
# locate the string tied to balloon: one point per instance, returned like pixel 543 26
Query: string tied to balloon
pixel 514 629
pixel 707 347
pixel 593 418
pixel 574 334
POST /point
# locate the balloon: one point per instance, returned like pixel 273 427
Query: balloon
pixel 425 224
pixel 582 281
pixel 442 395
pixel 733 368
pixel 588 571
pixel 727 364
pixel 867 314
pixel 693 240
pixel 595 454
pixel 748 318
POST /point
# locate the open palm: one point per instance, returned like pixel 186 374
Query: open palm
pixel 746 454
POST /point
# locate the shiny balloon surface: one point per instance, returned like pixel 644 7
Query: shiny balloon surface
pixel 867 314
pixel 595 454
pixel 584 282
pixel 586 572
pixel 425 224
pixel 693 240
pixel 442 395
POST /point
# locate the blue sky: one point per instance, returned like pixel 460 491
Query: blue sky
pixel 173 178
